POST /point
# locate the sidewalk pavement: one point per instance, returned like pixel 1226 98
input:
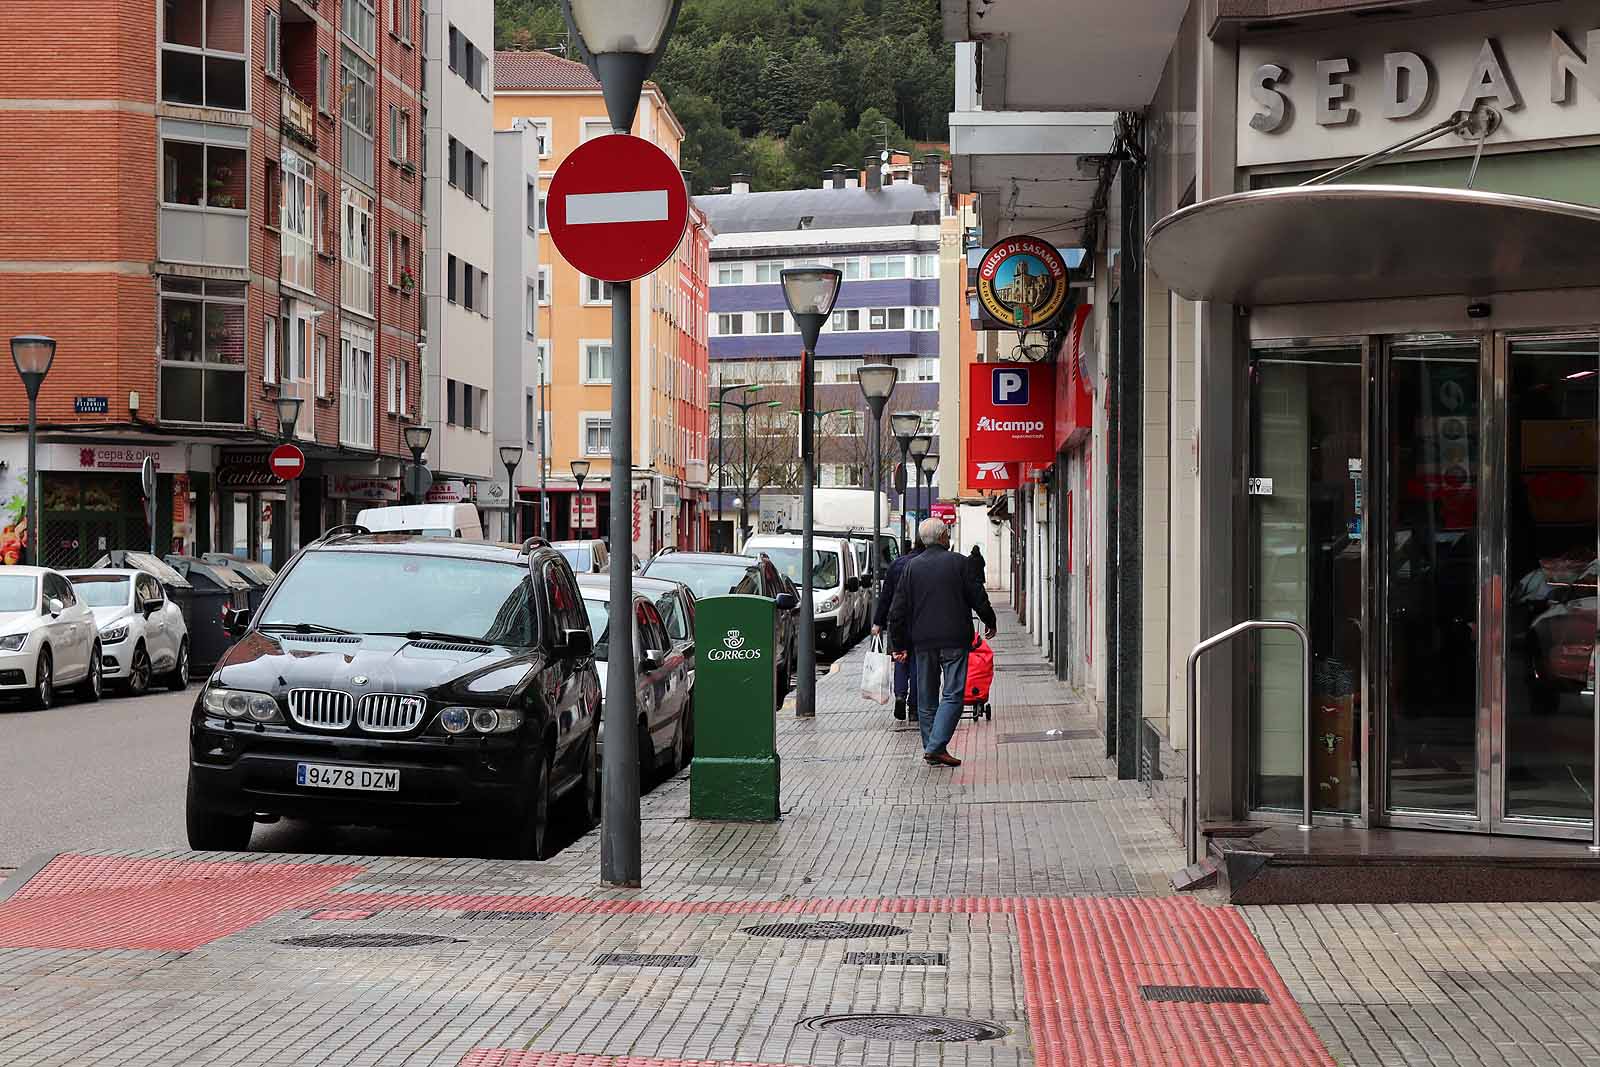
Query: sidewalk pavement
pixel 1022 898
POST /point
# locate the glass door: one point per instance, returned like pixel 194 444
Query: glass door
pixel 1431 416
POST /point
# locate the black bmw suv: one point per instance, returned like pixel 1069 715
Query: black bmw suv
pixel 395 679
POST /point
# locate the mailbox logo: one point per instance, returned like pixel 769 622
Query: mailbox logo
pixel 733 648
pixel 1010 387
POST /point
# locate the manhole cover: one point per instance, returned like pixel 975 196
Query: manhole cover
pixel 644 959
pixel 897 959
pixel 1203 994
pixel 824 931
pixel 368 941
pixel 478 913
pixel 1048 735
pixel 905 1027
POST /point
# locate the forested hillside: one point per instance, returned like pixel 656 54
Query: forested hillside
pixel 781 89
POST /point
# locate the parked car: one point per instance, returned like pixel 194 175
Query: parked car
pixel 717 573
pixel 48 637
pixel 142 633
pixel 589 556
pixel 676 603
pixel 429 520
pixel 391 679
pixel 839 611
pixel 661 677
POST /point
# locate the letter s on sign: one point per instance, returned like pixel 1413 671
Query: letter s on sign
pixel 1264 92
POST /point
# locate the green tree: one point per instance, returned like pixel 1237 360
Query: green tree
pixel 769 166
pixel 821 141
pixel 735 67
pixel 711 152
pixel 871 130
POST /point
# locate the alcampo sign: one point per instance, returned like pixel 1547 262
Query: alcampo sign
pixel 1022 281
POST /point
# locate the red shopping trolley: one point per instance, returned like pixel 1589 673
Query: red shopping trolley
pixel 980 676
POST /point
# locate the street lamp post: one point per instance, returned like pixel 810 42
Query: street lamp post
pixel 417 438
pixel 877 383
pixel 904 425
pixel 621 43
pixel 580 471
pixel 919 448
pixel 810 293
pixel 33 354
pixel 288 414
pixel 510 456
pixel 930 463
pixel 721 403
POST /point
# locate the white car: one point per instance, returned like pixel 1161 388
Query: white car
pixel 48 637
pixel 837 605
pixel 142 633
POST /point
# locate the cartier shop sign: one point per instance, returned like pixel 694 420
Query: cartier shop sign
pixel 1340 93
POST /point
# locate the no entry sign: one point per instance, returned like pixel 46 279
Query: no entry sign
pixel 287 462
pixel 617 207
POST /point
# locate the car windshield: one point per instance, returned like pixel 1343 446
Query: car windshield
pixel 599 625
pixel 395 592
pixel 19 592
pixel 579 557
pixel 824 565
pixel 672 616
pixel 707 579
pixel 101 590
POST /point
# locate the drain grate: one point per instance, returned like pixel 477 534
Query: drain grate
pixel 369 941
pixel 1203 994
pixel 644 959
pixel 479 913
pixel 905 1027
pixel 897 959
pixel 824 931
pixel 1048 735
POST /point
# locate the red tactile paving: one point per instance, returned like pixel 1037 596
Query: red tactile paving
pixel 1083 962
pixel 119 902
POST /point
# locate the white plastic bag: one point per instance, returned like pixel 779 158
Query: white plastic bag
pixel 877 672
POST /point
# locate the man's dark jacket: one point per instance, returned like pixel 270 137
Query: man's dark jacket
pixel 934 602
pixel 891 582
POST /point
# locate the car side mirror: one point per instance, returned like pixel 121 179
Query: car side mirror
pixel 787 602
pixel 688 649
pixel 652 659
pixel 852 585
pixel 576 644
pixel 55 606
pixel 152 605
pixel 235 621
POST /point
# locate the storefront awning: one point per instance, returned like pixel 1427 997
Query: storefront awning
pixel 1364 242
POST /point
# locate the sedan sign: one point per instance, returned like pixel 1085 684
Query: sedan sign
pixel 1012 413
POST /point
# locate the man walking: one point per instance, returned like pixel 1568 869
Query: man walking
pixel 932 618
pixel 905 694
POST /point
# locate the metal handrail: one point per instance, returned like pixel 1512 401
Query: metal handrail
pixel 1192 827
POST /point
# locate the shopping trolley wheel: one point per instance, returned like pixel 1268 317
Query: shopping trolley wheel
pixel 988 711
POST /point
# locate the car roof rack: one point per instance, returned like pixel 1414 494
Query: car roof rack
pixel 349 529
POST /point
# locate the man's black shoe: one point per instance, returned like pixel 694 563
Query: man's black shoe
pixel 900 709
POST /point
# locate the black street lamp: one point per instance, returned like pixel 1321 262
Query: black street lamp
pixel 288 415
pixel 417 438
pixel 510 456
pixel 621 43
pixel 920 445
pixel 580 471
pixel 719 403
pixel 930 463
pixel 904 425
pixel 33 354
pixel 877 383
pixel 810 293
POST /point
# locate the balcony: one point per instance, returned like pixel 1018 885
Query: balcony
pixel 299 119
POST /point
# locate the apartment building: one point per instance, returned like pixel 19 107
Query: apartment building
pixel 211 205
pixel 458 360
pixel 518 400
pixel 560 100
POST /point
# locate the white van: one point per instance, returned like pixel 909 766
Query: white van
pixel 430 520
pixel 838 608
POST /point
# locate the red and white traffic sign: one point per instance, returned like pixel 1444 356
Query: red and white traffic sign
pixel 287 462
pixel 617 207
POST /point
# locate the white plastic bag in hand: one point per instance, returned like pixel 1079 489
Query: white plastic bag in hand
pixel 877 672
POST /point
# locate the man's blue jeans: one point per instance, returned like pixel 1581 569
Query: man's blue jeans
pixel 941 678
pixel 903 689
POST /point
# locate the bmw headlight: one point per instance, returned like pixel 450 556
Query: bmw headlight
pixel 241 704
pixel 13 642
pixel 830 604
pixel 479 720
pixel 112 634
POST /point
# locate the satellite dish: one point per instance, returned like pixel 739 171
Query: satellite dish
pixel 885 156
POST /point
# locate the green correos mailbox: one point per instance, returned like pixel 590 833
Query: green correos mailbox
pixel 735 771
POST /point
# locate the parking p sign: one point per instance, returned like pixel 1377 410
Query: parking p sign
pixel 1012 413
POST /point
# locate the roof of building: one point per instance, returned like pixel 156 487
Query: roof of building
pixel 901 204
pixel 540 70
